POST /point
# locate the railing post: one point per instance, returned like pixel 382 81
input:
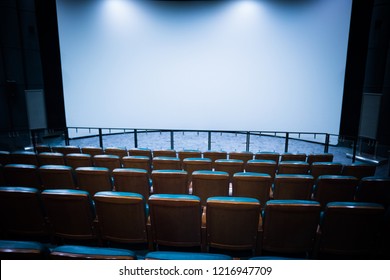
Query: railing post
pixel 172 141
pixel 248 139
pixel 286 142
pixel 326 148
pixel 209 141
pixel 100 138
pixel 33 139
pixel 135 139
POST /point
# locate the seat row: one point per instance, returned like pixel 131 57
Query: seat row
pixel 169 222
pixel 203 183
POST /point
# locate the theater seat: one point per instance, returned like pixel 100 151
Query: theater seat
pixel 46 158
pixel 232 223
pixel 164 153
pixel 320 157
pixel 139 162
pixel 165 163
pixel 24 157
pixel 78 160
pixel 175 220
pixel 331 188
pixel 275 156
pixel 194 164
pixel 71 214
pixel 92 151
pixel 350 229
pixel 122 217
pixel 188 154
pixel 93 179
pixel 374 189
pixel 116 151
pixel 325 168
pixel 255 185
pixel 290 226
pixel 108 161
pixel 145 152
pixel 174 255
pixel 69 149
pixel 206 183
pixel 5 157
pixel 262 166
pixel 22 250
pixel 57 177
pixel 24 175
pixel 132 180
pixel 293 167
pixel 170 181
pixel 293 186
pixel 22 214
pixel 77 252
pixel 231 166
pixel 214 155
pixel 293 157
pixel 244 156
pixel 359 170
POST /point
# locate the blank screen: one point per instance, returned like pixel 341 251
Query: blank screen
pixel 266 65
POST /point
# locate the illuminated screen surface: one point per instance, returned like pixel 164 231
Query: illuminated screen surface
pixel 208 65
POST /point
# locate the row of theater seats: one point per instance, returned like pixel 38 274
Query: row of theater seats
pixel 203 183
pixel 226 224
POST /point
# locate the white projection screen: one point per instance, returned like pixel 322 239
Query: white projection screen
pixel 265 65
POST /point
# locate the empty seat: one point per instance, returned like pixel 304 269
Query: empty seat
pixel 140 162
pixel 108 161
pixel 93 179
pixel 78 160
pixel 374 189
pixel 175 220
pixel 24 175
pixel 244 156
pixel 57 177
pixel 42 148
pixel 2 180
pixel 290 226
pixel 255 185
pixel 230 166
pixel 293 157
pixel 188 154
pixel 293 167
pixel 325 168
pixel 164 153
pixel 262 166
pixel 174 255
pixel 70 213
pixel 24 157
pixel 214 155
pixel 206 184
pixel 232 223
pixel 132 180
pixel 22 250
pixel 293 186
pixel 79 252
pixel 69 149
pixel 359 170
pixel 161 163
pixel 170 181
pixel 321 157
pixel 122 217
pixel 117 151
pixel 329 188
pixel 145 152
pixel 5 157
pixel 93 151
pixel 275 156
pixel 47 158
pixel 22 214
pixel 194 164
pixel 351 229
